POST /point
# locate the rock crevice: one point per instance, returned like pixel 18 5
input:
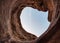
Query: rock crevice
pixel 11 30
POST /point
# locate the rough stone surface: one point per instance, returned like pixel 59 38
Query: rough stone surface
pixel 11 30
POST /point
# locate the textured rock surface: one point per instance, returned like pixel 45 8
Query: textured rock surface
pixel 11 30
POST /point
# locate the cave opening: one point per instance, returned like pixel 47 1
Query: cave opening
pixel 34 21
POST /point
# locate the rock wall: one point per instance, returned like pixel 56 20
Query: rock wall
pixel 11 30
pixel 52 35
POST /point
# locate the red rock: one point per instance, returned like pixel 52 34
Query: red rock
pixel 11 30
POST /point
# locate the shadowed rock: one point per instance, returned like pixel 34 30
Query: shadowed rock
pixel 11 30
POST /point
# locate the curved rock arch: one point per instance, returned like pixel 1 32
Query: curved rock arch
pixel 10 24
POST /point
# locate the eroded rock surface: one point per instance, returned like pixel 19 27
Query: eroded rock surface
pixel 11 30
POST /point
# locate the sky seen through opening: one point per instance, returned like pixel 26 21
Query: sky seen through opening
pixel 34 21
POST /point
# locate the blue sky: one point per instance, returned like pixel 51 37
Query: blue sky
pixel 34 21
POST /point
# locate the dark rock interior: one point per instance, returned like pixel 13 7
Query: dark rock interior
pixel 11 30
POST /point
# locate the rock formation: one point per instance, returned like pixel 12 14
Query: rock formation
pixel 11 30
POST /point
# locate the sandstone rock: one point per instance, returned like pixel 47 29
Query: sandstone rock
pixel 11 30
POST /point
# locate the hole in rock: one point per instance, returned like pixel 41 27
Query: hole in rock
pixel 34 21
